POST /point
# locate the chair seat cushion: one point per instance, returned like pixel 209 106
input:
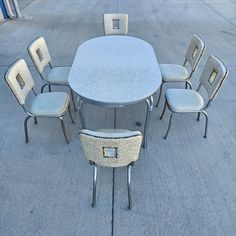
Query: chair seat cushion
pixel 173 73
pixel 59 75
pixel 184 100
pixel 50 104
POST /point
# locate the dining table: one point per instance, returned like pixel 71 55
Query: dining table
pixel 115 71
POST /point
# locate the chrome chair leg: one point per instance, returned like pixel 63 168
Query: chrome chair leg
pixel 188 83
pixel 164 109
pixel 49 88
pixel 35 121
pixel 169 125
pixel 94 184
pixel 63 128
pixel 129 185
pixel 26 129
pixel 71 114
pixel 149 103
pixel 159 97
pixel 42 88
pixel 206 123
pixel 72 98
pixel 198 116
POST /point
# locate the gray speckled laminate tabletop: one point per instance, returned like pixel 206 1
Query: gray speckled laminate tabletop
pixel 115 71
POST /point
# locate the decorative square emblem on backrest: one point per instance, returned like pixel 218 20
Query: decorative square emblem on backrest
pixel 116 24
pixel 110 152
pixel 39 54
pixel 212 77
pixel 20 81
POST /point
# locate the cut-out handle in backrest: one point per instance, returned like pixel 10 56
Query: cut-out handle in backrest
pixel 213 76
pixel 111 149
pixel 39 53
pixel 19 79
pixel 195 51
pixel 115 24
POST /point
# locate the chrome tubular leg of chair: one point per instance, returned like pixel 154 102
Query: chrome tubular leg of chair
pixel 94 184
pixel 35 121
pixel 129 185
pixel 198 116
pixel 42 88
pixel 169 125
pixel 26 129
pixel 71 114
pixel 159 97
pixel 149 103
pixel 63 128
pixel 49 88
pixel 81 115
pixel 72 98
pixel 206 123
pixel 188 83
pixel 164 109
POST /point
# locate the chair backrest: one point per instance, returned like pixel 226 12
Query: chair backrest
pixel 213 76
pixel 115 24
pixel 195 51
pixel 39 53
pixel 111 148
pixel 20 80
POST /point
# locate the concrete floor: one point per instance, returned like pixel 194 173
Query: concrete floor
pixel 185 185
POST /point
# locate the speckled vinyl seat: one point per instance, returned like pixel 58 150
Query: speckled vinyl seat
pixel 111 148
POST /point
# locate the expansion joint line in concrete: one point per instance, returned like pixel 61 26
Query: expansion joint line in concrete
pixel 113 196
pixel 218 13
pixel 27 5
pixel 113 183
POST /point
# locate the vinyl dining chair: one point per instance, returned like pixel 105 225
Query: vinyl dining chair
pixel 191 101
pixel 57 76
pixel 180 73
pixel 115 24
pixel 111 148
pixel 43 105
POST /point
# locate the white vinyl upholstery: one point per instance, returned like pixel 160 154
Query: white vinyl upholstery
pixel 173 73
pixel 178 73
pixel 126 144
pixel 110 21
pixel 58 75
pixel 19 79
pixel 213 75
pixel 39 53
pixel 195 51
pixel 184 100
pixel 50 104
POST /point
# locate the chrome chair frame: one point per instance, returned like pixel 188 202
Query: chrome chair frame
pixel 202 111
pixel 46 83
pixel 187 81
pixel 95 171
pixel 29 115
